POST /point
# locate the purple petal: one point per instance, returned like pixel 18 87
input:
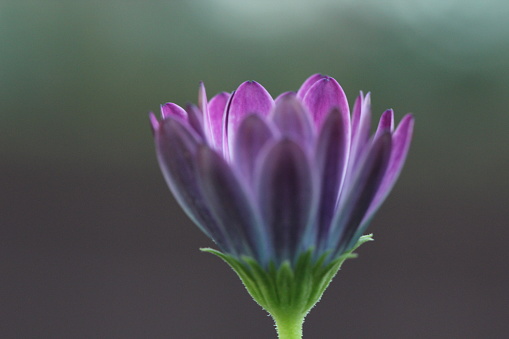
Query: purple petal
pixel 176 145
pixel 252 135
pixel 331 160
pixel 225 146
pixel 285 196
pixel 213 119
pixel 401 139
pixel 361 119
pixel 154 123
pixel 324 95
pixel 284 95
pixel 293 120
pixel 173 110
pixel 230 205
pixel 356 112
pixel 361 124
pixel 250 97
pixel 202 98
pixel 359 196
pixel 386 123
pixel 301 93
pixel 195 118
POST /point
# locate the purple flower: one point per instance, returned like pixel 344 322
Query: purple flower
pixel 271 179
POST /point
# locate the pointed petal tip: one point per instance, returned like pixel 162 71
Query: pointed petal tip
pixel 171 109
pixel 386 122
pixel 201 88
pixel 285 96
pixel 154 123
pixel 322 96
pixel 306 85
pixel 406 127
pixel 408 118
pixel 251 84
pixel 202 97
pixel 250 97
pixel 213 119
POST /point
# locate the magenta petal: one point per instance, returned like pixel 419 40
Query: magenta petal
pixel 386 123
pixel 331 160
pixel 249 98
pixel 176 145
pixel 301 93
pixel 285 196
pixel 324 95
pixel 231 205
pixel 401 139
pixel 293 120
pixel 359 195
pixel 284 95
pixel 173 110
pixel 213 119
pixel 253 134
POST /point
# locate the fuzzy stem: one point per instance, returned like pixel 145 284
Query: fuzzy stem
pixel 289 326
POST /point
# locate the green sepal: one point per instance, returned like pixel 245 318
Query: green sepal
pixel 288 291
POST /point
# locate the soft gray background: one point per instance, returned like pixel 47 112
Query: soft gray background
pixel 92 244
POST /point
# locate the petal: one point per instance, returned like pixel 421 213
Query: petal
pixel 213 119
pixel 202 98
pixel 361 124
pixel 361 120
pixel 231 206
pixel 285 196
pixel 356 112
pixel 250 97
pixel 283 95
pixel 154 123
pixel 324 95
pixel 401 139
pixel 354 204
pixel 176 145
pixel 386 123
pixel 252 135
pixel 173 110
pixel 301 93
pixel 331 161
pixel 195 118
pixel 293 120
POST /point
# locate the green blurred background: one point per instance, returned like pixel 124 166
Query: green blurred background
pixel 92 244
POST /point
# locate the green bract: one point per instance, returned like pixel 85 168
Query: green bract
pixel 288 292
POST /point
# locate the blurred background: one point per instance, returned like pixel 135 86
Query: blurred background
pixel 93 245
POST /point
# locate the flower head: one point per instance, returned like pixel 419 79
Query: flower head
pixel 270 179
pixel 285 187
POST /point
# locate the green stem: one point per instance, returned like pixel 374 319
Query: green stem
pixel 289 326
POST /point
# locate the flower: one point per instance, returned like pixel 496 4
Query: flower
pixel 270 179
pixel 284 187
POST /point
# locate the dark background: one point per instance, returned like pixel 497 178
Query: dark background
pixel 93 245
